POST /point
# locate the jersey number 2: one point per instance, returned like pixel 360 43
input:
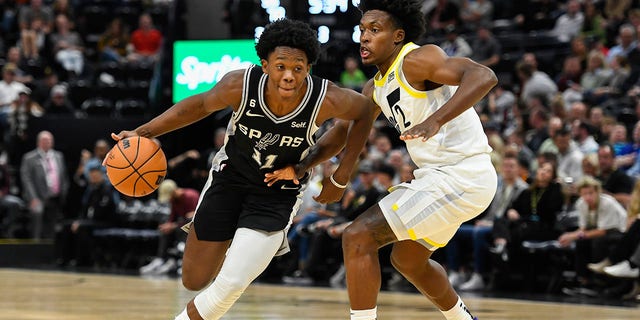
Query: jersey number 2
pixel 396 110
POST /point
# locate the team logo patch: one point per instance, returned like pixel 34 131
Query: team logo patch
pixel 267 140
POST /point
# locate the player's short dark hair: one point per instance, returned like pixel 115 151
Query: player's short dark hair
pixel 406 15
pixel 288 33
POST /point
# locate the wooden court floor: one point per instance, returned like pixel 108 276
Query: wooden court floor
pixel 28 294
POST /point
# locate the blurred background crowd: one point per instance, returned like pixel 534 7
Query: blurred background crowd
pixel 563 123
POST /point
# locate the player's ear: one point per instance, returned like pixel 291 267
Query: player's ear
pixel 264 64
pixel 398 36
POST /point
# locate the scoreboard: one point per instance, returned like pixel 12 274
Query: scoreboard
pixel 333 19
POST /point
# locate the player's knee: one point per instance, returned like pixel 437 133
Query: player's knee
pixel 194 283
pixel 357 237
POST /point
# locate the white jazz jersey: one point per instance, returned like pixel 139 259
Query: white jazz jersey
pixel 455 180
pixel 406 107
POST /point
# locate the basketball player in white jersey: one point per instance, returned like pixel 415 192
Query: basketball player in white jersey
pixel 428 97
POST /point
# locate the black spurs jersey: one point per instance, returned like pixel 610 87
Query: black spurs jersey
pixel 258 141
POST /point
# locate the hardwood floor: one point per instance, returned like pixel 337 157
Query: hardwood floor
pixel 31 294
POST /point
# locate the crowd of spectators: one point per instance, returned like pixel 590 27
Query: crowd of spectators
pixel 563 123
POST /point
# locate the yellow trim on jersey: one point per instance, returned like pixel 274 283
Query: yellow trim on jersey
pixel 412 235
pixel 411 91
pixel 395 66
pixel 380 82
pixel 433 243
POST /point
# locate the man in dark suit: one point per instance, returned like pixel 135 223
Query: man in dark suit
pixel 44 185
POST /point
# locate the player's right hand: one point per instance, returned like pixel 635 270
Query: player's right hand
pixel 117 137
pixel 123 134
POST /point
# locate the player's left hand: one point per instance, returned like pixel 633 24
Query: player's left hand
pixel 286 173
pixel 330 193
pixel 424 130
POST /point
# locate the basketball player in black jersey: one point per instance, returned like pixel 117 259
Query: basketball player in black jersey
pixel 277 108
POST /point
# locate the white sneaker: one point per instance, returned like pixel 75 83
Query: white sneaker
pixel 151 266
pixel 456 278
pixel 598 267
pixel 167 266
pixel 337 280
pixel 622 270
pixel 475 283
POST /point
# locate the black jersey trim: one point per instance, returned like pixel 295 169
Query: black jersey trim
pixel 245 92
pixel 313 127
pixel 292 114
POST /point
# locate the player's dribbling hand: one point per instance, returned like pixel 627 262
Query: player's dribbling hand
pixel 117 137
pixel 424 130
pixel 123 134
pixel 330 193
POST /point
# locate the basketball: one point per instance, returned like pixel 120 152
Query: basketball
pixel 136 166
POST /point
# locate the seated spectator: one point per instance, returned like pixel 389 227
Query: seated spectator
pixel 533 214
pixel 14 56
pixel 90 159
pixel 9 87
pixel 570 23
pixel 74 240
pixel 10 205
pixel 68 48
pixel 478 233
pixel 325 252
pixel 535 84
pixel 352 77
pixel 594 23
pixel 19 118
pixel 33 40
pixel 36 10
pixel 615 181
pixel 454 45
pixel 475 13
pixel 58 103
pixel 308 214
pixel 627 41
pixel 113 43
pixel 443 14
pixel 145 42
pixel 601 221
pixel 486 49
pixel 183 202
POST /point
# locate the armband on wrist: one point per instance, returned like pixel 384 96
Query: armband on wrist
pixel 333 181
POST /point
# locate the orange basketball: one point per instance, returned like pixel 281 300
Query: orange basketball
pixel 136 166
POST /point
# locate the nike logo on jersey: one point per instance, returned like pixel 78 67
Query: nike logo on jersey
pixel 288 188
pixel 250 114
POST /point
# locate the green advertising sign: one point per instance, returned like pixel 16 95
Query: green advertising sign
pixel 199 64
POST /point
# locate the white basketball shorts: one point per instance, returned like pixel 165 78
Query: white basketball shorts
pixel 431 208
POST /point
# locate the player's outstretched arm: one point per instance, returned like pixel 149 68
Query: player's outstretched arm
pixel 225 93
pixel 329 144
pixel 361 110
pixel 430 64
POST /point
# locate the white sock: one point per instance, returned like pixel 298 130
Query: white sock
pixel 183 315
pixel 458 312
pixel 369 314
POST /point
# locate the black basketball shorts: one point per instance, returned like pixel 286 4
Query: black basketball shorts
pixel 226 208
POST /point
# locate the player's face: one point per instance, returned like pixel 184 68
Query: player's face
pixel 379 38
pixel 287 69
